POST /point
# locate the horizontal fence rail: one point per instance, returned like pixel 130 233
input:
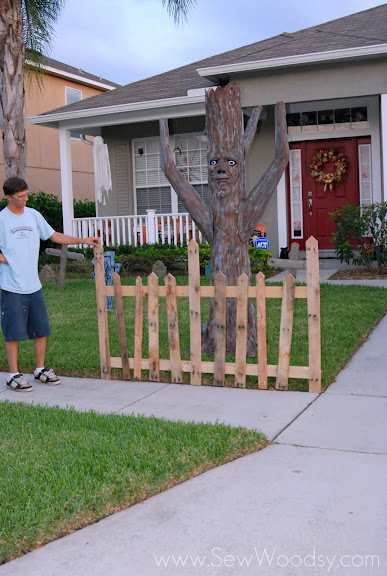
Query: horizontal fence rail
pixel 151 228
pixel 282 371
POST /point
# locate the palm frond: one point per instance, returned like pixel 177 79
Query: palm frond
pixel 179 9
pixel 39 18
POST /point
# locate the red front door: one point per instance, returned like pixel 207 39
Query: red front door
pixel 317 203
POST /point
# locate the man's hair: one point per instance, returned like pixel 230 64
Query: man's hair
pixel 13 185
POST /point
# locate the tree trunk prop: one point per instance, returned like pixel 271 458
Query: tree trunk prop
pixel 231 216
pixel 12 98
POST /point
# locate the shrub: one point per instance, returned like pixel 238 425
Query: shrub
pixel 50 208
pixel 361 234
pixel 140 259
pixel 84 209
pixel 259 259
pixel 204 256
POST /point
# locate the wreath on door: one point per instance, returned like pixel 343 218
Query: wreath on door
pixel 328 178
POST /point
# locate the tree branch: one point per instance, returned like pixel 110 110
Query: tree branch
pixel 251 128
pixel 194 204
pixel 253 206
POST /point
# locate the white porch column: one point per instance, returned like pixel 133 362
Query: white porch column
pixel 66 180
pixel 151 226
pixel 383 133
pixel 281 214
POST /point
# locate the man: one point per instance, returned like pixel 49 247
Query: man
pixel 23 309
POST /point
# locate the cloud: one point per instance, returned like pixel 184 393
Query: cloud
pixel 127 40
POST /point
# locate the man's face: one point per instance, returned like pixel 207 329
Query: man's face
pixel 19 199
pixel 224 170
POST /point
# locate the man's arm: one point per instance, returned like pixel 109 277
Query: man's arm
pixel 60 238
pixel 3 259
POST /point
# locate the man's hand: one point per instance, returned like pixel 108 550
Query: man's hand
pixel 60 238
pixel 91 241
pixel 3 259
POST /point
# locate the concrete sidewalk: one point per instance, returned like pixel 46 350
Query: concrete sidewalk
pixel 314 502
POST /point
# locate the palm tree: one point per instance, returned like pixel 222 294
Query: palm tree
pixel 26 31
pixel 178 9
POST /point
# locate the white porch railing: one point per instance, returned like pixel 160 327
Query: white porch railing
pixel 137 230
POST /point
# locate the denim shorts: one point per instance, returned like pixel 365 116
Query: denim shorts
pixel 23 314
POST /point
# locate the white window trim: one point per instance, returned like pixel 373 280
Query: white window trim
pixel 172 142
pixel 74 135
pixel 69 89
pixel 133 143
pixel 360 147
pixel 293 153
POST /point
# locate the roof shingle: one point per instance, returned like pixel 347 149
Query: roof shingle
pixel 365 28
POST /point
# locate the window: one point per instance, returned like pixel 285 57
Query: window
pixel 365 176
pixel 152 187
pixel 72 95
pixel 153 190
pixel 295 194
pixel 324 120
pixel 191 159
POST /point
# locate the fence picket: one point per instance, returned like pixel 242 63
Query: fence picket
pixel 314 322
pixel 138 330
pixel 219 367
pixel 194 312
pixel 220 329
pixel 261 331
pixel 153 328
pixel 285 343
pixel 241 331
pixel 173 329
pixel 103 328
pixel 119 307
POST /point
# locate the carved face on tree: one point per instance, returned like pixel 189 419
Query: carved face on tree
pixel 224 171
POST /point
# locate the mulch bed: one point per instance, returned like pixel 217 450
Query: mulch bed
pixel 358 274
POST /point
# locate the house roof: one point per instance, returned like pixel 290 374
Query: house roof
pixel 78 75
pixel 363 29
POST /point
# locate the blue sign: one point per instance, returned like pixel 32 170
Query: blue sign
pixel 110 268
pixel 262 243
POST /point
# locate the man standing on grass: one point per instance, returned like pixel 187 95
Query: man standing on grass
pixel 23 308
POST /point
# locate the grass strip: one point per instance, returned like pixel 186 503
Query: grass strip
pixel 62 469
pixel 348 315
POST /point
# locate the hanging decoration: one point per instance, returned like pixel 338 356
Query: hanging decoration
pixel 102 174
pixel 328 178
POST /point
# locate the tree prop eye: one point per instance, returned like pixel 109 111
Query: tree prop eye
pixel 231 162
pixel 213 162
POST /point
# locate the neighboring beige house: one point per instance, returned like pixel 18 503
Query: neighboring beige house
pixel 60 85
pixel 333 79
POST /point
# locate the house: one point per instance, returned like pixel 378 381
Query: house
pixel 59 85
pixel 333 79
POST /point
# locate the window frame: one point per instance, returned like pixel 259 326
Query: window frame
pixel 69 90
pixel 162 182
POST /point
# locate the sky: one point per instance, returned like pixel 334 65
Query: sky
pixel 128 40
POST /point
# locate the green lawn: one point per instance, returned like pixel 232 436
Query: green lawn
pixel 348 315
pixel 62 470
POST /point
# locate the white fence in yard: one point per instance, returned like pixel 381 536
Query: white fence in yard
pixel 137 230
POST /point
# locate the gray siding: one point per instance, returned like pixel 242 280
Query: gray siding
pixel 261 154
pixel 122 178
pixel 324 82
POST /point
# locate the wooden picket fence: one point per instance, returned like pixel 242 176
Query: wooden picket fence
pixel 219 367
